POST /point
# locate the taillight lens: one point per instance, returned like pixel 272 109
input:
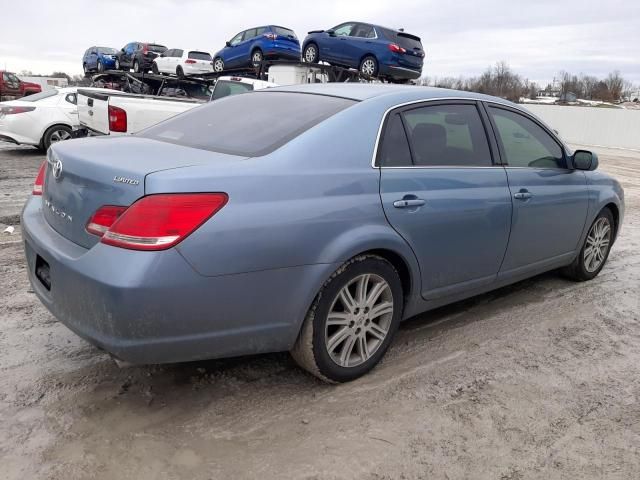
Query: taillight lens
pixel 39 183
pixel 14 110
pixel 270 35
pixel 104 218
pixel 158 222
pixel 189 61
pixel 117 119
pixel 396 48
pixel 145 49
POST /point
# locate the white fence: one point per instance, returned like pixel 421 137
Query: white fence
pixel 607 127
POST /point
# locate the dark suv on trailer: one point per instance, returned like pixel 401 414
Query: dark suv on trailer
pixel 138 56
pixel 374 50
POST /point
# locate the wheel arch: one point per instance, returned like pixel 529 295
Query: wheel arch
pixel 50 126
pixel 615 211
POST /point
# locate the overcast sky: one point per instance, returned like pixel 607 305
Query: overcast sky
pixel 461 37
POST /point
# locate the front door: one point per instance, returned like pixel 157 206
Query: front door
pixel 442 193
pixel 550 200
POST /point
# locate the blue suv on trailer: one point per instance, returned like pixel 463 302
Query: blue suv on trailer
pixel 374 50
pixel 249 47
pixel 99 59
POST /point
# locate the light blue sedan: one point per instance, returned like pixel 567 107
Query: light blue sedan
pixel 311 218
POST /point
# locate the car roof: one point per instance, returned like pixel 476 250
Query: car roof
pixel 394 93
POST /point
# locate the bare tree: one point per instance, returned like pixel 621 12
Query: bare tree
pixel 615 84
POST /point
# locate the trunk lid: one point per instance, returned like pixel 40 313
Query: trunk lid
pixel 106 171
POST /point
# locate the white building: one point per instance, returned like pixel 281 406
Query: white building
pixel 47 83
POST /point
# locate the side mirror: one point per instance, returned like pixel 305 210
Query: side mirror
pixel 331 32
pixel 228 44
pixel 122 49
pixel 585 160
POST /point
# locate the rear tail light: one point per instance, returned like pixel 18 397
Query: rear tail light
pixel 117 119
pixel 39 183
pixel 396 48
pixel 14 110
pixel 189 61
pixel 155 222
pixel 270 35
pixel 145 49
pixel 104 218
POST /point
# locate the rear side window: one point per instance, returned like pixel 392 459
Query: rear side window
pixel 363 31
pixel 285 32
pixel 177 53
pixel 198 55
pixel 248 125
pixel 525 143
pixel 405 40
pixel 249 34
pixel 447 135
pixel 394 149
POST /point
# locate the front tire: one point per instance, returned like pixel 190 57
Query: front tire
pixel 154 68
pixel 218 65
pixel 117 65
pixel 179 72
pixel 352 320
pixel 310 54
pixel 595 251
pixel 136 66
pixel 100 67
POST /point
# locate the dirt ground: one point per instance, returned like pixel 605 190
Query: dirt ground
pixel 537 380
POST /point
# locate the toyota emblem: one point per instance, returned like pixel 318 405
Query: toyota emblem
pixel 56 168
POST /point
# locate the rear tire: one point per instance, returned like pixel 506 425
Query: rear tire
pixel 136 66
pixel 100 67
pixel 85 69
pixel 369 66
pixel 352 320
pixel 55 134
pixel 256 58
pixel 595 250
pixel 117 65
pixel 218 64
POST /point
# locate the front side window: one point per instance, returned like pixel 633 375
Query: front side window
pixel 524 142
pixel 249 125
pixel 447 135
pixel 237 39
pixel 343 30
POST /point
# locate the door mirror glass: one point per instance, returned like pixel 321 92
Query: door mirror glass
pixel 331 32
pixel 585 160
pixel 228 44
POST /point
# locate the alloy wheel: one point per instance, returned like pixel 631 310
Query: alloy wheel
pixel 597 246
pixel 257 57
pixel 310 54
pixel 368 67
pixel 59 135
pixel 359 320
pixel 218 65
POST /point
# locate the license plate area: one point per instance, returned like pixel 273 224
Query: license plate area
pixel 42 272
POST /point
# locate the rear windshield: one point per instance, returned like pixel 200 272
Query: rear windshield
pixel 39 96
pixel 107 51
pixel 248 125
pixel 285 32
pixel 200 56
pixel 405 40
pixel 157 48
pixel 224 88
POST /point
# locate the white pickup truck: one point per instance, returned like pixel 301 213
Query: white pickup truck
pixel 107 113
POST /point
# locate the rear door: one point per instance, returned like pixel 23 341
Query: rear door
pixel 550 200
pixel 443 194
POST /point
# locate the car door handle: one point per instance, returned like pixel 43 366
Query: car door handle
pixel 522 195
pixel 409 202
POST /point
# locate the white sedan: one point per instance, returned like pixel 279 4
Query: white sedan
pixel 40 119
pixel 177 61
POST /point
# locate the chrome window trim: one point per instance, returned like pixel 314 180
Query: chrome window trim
pixel 426 100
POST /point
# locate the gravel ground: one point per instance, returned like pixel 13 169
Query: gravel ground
pixel 537 380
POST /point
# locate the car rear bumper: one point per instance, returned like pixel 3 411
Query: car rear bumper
pixel 196 69
pixel 153 307
pixel 401 73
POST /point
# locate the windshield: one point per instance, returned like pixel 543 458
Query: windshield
pixel 248 125
pixel 39 96
pixel 107 50
pixel 200 56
